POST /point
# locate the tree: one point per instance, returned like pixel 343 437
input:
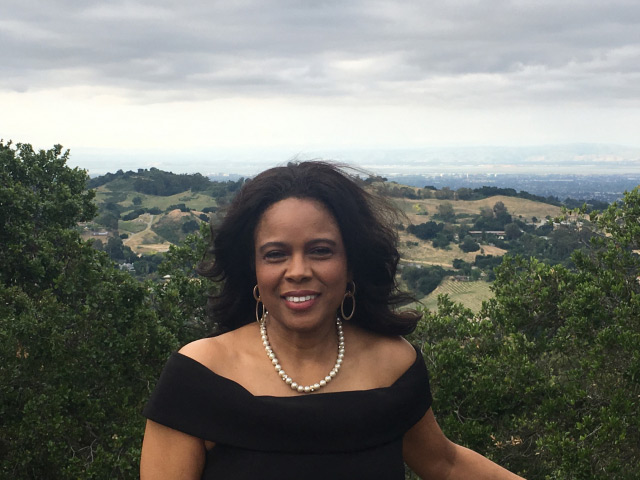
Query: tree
pixel 444 194
pixel 190 226
pixel 551 364
pixel 427 230
pixel 446 212
pixel 501 214
pixel 499 209
pixel 114 248
pixel 464 193
pixel 41 199
pixel 80 341
pixel 108 220
pixel 486 212
pixel 493 219
pixel 441 240
pixel 469 245
pixel 512 231
pixel 182 300
pixel 423 280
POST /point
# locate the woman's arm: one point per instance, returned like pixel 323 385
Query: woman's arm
pixel 170 454
pixel 431 455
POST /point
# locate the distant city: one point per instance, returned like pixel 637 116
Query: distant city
pixel 577 171
pixel 605 188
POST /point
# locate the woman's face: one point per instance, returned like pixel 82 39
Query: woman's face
pixel 301 263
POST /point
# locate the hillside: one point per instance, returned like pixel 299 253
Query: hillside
pixel 155 232
pixel 151 209
pixel 528 211
pixel 131 219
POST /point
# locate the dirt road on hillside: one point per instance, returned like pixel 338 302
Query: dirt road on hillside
pixel 146 241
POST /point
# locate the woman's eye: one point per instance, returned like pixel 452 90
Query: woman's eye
pixel 274 255
pixel 321 251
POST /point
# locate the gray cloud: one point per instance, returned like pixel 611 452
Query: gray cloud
pixel 467 52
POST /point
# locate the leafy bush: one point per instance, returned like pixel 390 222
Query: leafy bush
pixel 427 230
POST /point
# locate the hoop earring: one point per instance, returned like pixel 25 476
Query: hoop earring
pixel 259 318
pixel 352 295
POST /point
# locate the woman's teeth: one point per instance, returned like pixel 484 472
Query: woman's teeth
pixel 306 298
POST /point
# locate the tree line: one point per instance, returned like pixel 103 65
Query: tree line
pixel 154 181
pixel 393 189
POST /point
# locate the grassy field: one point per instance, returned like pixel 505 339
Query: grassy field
pixel 517 207
pixel 470 294
pixel 132 226
pixel 195 201
pixel 425 254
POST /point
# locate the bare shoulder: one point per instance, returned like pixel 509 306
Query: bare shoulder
pixel 215 351
pixel 389 355
pixel 204 350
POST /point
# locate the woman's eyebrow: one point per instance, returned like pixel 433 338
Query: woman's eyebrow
pixel 322 240
pixel 268 245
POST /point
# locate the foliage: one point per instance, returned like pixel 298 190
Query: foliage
pixel 423 280
pixel 134 213
pixel 469 245
pixel 460 264
pixel 190 226
pixel 173 229
pixel 118 251
pixel 426 231
pixel 157 182
pixel 41 199
pixel 181 299
pixel 546 378
pixel 80 344
pixel 487 192
pixel 512 231
pixel 77 365
pixel 446 212
pixel 495 219
pixel 442 240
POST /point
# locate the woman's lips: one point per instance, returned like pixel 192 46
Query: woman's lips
pixel 299 301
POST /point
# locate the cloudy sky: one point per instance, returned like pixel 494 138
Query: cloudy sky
pixel 226 82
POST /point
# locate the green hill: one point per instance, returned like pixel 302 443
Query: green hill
pixel 153 209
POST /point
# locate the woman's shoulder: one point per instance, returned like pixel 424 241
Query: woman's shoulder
pixel 215 351
pixel 387 356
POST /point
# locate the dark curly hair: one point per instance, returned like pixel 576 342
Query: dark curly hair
pixel 366 223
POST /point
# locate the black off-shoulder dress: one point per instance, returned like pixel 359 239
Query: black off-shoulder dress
pixel 339 435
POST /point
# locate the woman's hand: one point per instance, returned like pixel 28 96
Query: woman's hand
pixel 170 454
pixel 432 455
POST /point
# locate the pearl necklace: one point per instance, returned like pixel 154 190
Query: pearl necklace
pixel 286 378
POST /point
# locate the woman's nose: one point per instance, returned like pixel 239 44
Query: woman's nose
pixel 298 268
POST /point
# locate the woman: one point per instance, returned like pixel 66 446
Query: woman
pixel 321 385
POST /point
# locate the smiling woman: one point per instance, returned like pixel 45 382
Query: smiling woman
pixel 297 247
pixel 301 264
